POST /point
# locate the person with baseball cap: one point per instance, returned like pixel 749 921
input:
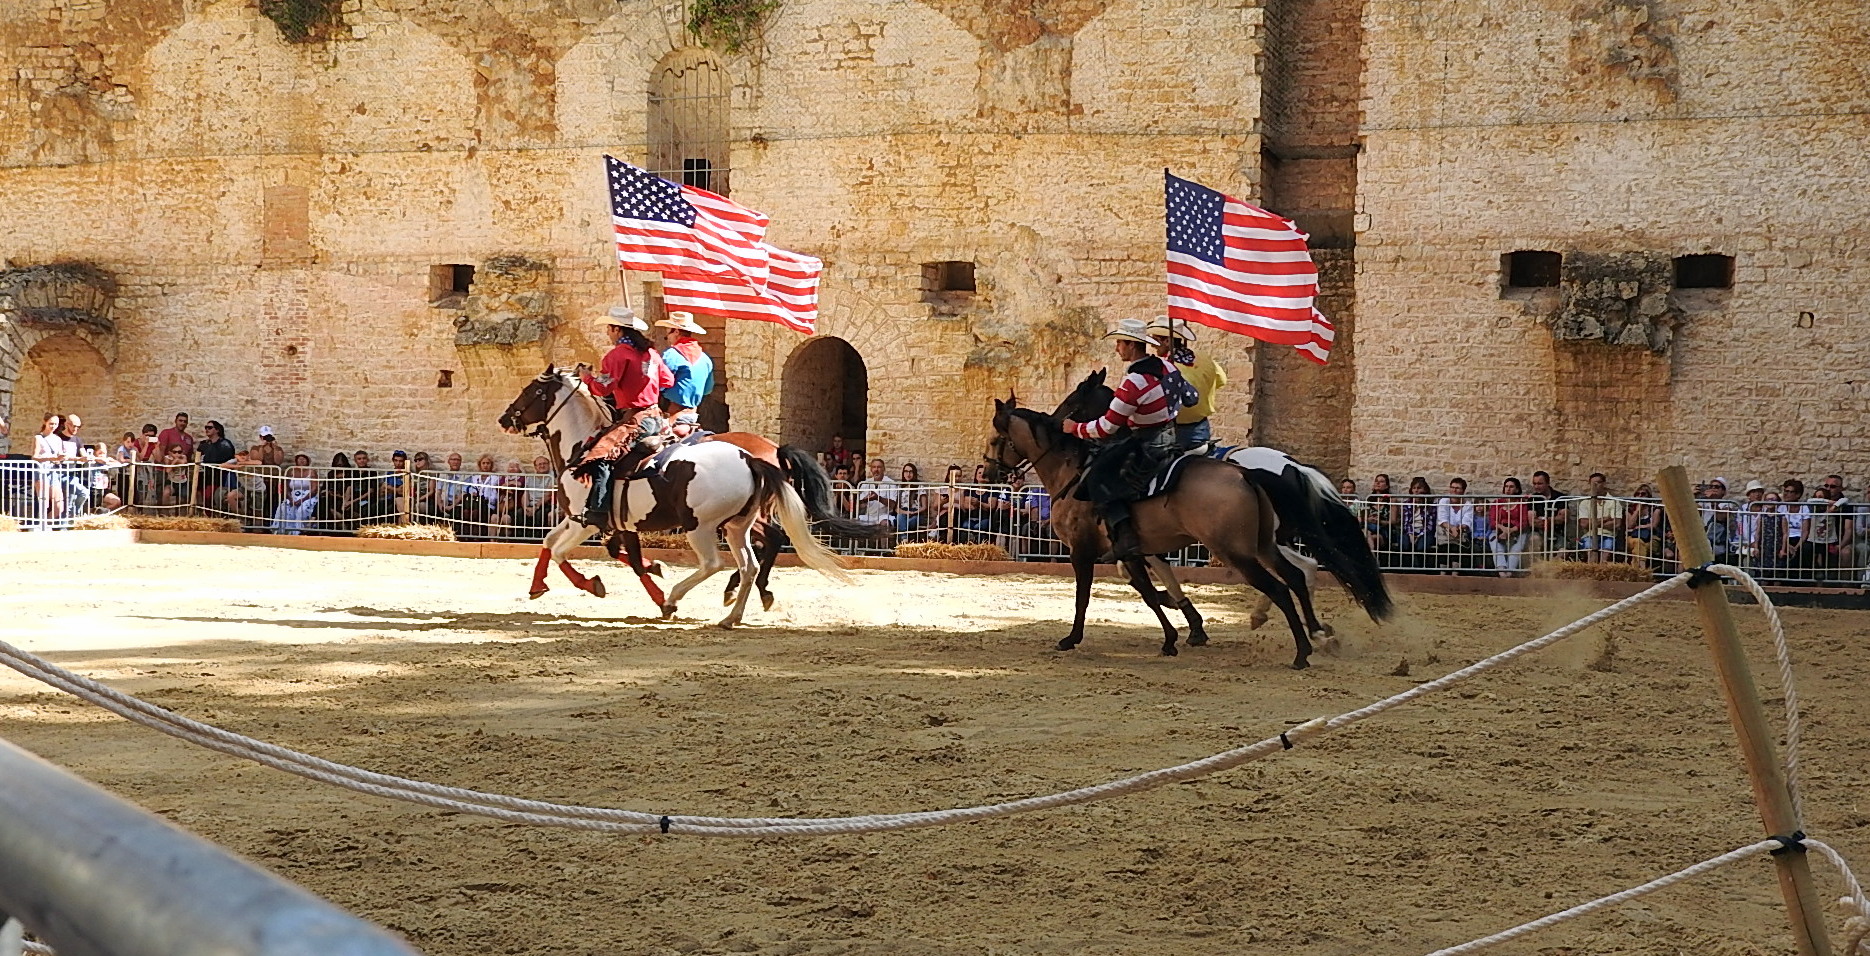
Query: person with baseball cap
pixel 1120 472
pixel 1174 340
pixel 691 368
pixel 631 377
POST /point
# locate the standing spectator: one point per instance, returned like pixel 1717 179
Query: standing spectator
pixel 540 503
pixel 366 489
pixel 837 453
pixel 1548 515
pixel 1380 515
pixel 126 448
pixel 267 450
pixel 48 450
pixel 1828 530
pixel 1510 521
pixel 690 368
pixel 178 435
pixel 1454 526
pixel 176 476
pixel 149 447
pixel 876 496
pixel 145 475
pixel 338 494
pixel 220 484
pixel 78 468
pixel 300 500
pixel 1746 532
pixel 1717 518
pixel 482 501
pixel 993 507
pixel 1798 516
pixel 421 490
pixel 1642 525
pixel 512 500
pixel 909 500
pixel 860 467
pixel 1771 546
pixel 944 507
pixel 1418 523
pixel 843 493
pixel 1599 520
pixel 451 489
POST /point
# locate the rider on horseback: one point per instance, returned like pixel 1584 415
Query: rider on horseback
pixel 1201 373
pixel 631 378
pixel 1122 469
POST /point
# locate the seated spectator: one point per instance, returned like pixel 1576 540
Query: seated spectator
pixel 876 496
pixel 482 501
pixel 299 502
pixel 421 491
pixel 367 504
pixel 1828 531
pixel 1033 517
pixel 843 493
pixel 946 508
pixel 1798 517
pixel 1641 522
pixel 337 495
pixel 1717 518
pixel 1767 534
pixel 1418 523
pixel 1510 524
pixel 512 500
pixel 539 510
pixel 177 477
pixel 1380 515
pixel 910 500
pixel 1600 520
pixel 1454 527
pixel 993 508
pixel 451 490
pixel 393 490
pixel 1548 516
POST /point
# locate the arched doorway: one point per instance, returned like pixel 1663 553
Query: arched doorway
pixel 63 373
pixel 824 391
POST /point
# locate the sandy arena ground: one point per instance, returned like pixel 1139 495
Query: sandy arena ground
pixel 1591 767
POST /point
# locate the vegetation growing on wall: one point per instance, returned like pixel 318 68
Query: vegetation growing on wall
pixel 304 21
pixel 732 24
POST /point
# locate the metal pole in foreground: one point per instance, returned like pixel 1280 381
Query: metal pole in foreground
pixel 92 875
pixel 1743 708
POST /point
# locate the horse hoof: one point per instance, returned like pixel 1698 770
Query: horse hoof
pixel 1255 620
pixel 1301 664
pixel 1326 630
pixel 1067 643
pixel 668 611
pixel 766 600
pixel 597 587
pixel 1198 639
pixel 727 597
pixel 1168 650
pixel 726 624
pixel 533 595
pixel 1324 641
pixel 655 568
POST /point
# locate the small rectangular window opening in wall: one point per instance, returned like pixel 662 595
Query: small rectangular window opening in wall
pixel 948 277
pixel 1707 271
pixel 698 172
pixel 449 285
pixel 446 378
pixel 1528 269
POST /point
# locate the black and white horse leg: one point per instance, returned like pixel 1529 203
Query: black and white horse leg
pixel 708 561
pixel 1257 575
pixel 1300 573
pixel 768 548
pixel 746 560
pixel 1197 631
pixel 1083 567
pixel 1139 579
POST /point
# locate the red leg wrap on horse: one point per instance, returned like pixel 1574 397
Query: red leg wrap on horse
pixel 539 570
pixel 655 593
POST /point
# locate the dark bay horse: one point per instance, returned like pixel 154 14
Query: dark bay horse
pixel 1213 504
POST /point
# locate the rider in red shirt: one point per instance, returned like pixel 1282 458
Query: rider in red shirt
pixel 632 377
pixel 1120 472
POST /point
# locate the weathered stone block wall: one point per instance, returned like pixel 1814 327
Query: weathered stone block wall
pixel 1602 128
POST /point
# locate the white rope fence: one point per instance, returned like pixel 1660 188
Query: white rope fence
pixel 603 819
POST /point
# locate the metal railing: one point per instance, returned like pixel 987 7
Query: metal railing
pixel 51 495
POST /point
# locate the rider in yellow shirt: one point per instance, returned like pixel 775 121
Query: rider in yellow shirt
pixel 1200 370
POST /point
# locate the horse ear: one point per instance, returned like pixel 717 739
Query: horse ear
pixel 1097 377
pixel 998 406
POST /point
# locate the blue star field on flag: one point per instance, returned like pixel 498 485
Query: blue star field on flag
pixel 1194 219
pixel 639 194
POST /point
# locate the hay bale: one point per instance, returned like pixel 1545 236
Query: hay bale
pixel 953 552
pixel 101 523
pixel 1565 570
pixel 8 524
pixel 174 523
pixel 408 532
pixel 669 540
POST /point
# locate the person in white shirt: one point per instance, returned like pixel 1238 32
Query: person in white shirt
pixel 876 496
pixel 1454 525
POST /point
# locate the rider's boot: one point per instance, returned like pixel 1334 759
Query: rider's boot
pixel 1122 530
pixel 597 502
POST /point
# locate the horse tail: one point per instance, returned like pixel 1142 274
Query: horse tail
pixel 814 487
pixel 1308 506
pixel 779 499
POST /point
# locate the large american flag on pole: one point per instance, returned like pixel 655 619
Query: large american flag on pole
pixel 1239 268
pixel 711 251
pixel 790 297
pixel 663 227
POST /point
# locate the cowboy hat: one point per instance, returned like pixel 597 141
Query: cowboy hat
pixel 682 322
pixel 1133 329
pixel 1163 325
pixel 622 315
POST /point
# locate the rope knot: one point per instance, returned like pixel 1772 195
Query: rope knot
pixel 1789 844
pixel 665 827
pixel 1703 574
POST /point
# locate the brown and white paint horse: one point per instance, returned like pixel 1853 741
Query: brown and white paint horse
pixel 703 490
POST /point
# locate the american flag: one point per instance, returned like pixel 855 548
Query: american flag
pixel 1239 268
pixel 662 227
pixel 790 297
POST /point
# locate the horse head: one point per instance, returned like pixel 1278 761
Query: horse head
pixel 536 402
pixel 1089 400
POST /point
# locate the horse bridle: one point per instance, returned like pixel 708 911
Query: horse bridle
pixel 538 431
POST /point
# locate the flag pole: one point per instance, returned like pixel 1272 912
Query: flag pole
pixel 624 276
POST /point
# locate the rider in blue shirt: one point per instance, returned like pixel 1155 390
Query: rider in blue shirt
pixel 693 369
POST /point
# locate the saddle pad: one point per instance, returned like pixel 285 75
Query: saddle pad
pixel 1166 478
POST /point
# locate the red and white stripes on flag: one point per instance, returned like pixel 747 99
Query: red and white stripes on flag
pixel 1239 268
pixel 712 252
pixel 790 297
pixel 663 227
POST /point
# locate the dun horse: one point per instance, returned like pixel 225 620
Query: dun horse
pixel 1212 503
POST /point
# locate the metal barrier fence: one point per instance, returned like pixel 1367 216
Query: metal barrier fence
pixel 50 495
pixel 1815 541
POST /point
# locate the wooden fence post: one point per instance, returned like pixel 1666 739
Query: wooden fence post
pixel 1743 708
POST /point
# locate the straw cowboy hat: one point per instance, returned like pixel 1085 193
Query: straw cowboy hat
pixel 682 322
pixel 1133 329
pixel 1163 325
pixel 621 315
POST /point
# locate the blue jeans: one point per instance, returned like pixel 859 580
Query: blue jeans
pixel 1188 436
pixel 906 523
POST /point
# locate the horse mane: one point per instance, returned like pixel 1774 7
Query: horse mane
pixel 1046 432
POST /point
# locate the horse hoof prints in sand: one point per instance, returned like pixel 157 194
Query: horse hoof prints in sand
pixel 705 490
pixel 1214 503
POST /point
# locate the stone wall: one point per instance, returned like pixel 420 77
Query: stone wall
pixel 1601 129
pixel 272 210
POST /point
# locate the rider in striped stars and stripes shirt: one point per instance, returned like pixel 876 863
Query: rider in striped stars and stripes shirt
pixel 1119 474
